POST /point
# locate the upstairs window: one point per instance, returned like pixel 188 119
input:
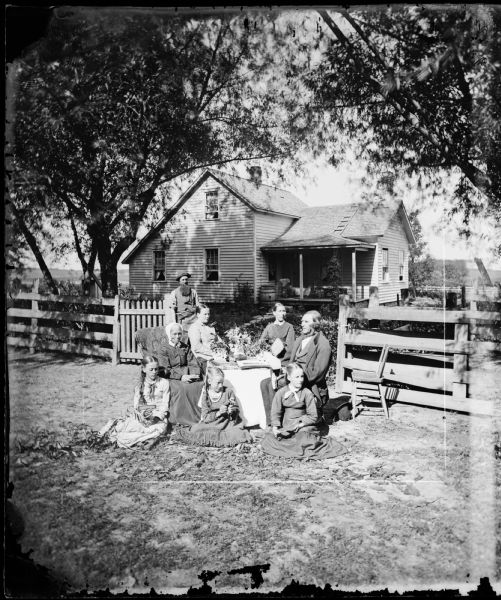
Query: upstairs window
pixel 211 205
pixel 212 264
pixel 158 265
pixel 386 273
pixel 401 265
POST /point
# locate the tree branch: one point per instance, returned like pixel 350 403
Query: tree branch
pixel 32 243
pixel 210 68
pixel 78 247
pixel 475 175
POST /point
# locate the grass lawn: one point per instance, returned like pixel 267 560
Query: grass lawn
pixel 413 502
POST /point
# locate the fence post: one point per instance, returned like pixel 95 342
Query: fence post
pixel 115 356
pixel 166 308
pixel 344 303
pixel 373 296
pixel 463 296
pixel 459 389
pixel 34 320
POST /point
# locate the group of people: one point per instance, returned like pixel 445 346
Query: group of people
pixel 182 385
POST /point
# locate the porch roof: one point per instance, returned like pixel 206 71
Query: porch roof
pixel 319 227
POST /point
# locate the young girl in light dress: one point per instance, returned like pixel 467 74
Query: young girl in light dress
pixel 220 423
pixel 295 420
pixel 147 421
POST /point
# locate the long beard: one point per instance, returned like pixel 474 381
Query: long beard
pixel 185 290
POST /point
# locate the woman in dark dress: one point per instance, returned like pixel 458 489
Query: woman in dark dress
pixel 220 423
pixel 312 352
pixel 295 420
pixel 183 371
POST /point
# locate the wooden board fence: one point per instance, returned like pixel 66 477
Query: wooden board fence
pixel 40 328
pixel 109 335
pixel 438 367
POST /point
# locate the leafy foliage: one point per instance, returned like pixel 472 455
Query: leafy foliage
pixel 109 107
pixel 77 440
pixel 419 89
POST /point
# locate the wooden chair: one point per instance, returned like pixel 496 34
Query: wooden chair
pixel 367 386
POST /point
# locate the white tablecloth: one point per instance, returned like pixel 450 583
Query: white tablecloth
pixel 246 386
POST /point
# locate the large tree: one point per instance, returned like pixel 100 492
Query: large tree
pixel 111 106
pixel 420 89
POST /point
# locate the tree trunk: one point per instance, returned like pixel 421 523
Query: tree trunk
pixel 30 238
pixel 107 262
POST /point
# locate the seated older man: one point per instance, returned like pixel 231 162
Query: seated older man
pixel 312 352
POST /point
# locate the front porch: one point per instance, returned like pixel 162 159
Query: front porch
pixel 309 276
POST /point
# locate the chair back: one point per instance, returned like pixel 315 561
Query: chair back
pixel 382 360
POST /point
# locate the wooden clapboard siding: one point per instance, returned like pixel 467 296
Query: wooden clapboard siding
pixel 394 240
pixel 267 228
pixel 191 234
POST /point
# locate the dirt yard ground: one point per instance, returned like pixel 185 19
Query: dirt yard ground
pixel 414 503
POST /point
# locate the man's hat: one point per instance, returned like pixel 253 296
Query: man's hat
pixel 183 275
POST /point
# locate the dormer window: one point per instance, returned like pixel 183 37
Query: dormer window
pixel 211 205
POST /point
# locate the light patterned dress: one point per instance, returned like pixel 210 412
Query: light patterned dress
pixel 136 427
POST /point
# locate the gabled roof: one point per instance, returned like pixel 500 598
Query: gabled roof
pixel 261 198
pixel 342 225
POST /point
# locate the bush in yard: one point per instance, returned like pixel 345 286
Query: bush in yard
pixel 243 295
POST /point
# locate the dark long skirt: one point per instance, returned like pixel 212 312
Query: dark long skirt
pixel 302 444
pixel 268 393
pixel 225 433
pixel 184 399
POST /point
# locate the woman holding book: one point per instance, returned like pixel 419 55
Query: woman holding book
pixel 279 334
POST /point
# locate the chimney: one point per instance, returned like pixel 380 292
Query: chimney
pixel 256 174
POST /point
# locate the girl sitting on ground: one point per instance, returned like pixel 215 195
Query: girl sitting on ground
pixel 295 420
pixel 220 423
pixel 148 419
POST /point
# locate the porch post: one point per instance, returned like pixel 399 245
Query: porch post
pixel 354 273
pixel 301 289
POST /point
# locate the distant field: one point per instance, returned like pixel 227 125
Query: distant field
pixel 70 275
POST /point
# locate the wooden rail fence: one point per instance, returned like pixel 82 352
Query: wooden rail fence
pixel 49 324
pixel 79 326
pixel 438 366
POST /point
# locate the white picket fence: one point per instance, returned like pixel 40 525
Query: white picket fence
pixel 134 315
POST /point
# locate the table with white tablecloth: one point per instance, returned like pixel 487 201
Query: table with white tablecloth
pixel 246 385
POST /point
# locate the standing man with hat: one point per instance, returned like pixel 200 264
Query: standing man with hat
pixel 182 303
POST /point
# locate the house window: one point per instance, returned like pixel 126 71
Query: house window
pixel 386 273
pixel 211 205
pixel 211 264
pixel 401 265
pixel 159 265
